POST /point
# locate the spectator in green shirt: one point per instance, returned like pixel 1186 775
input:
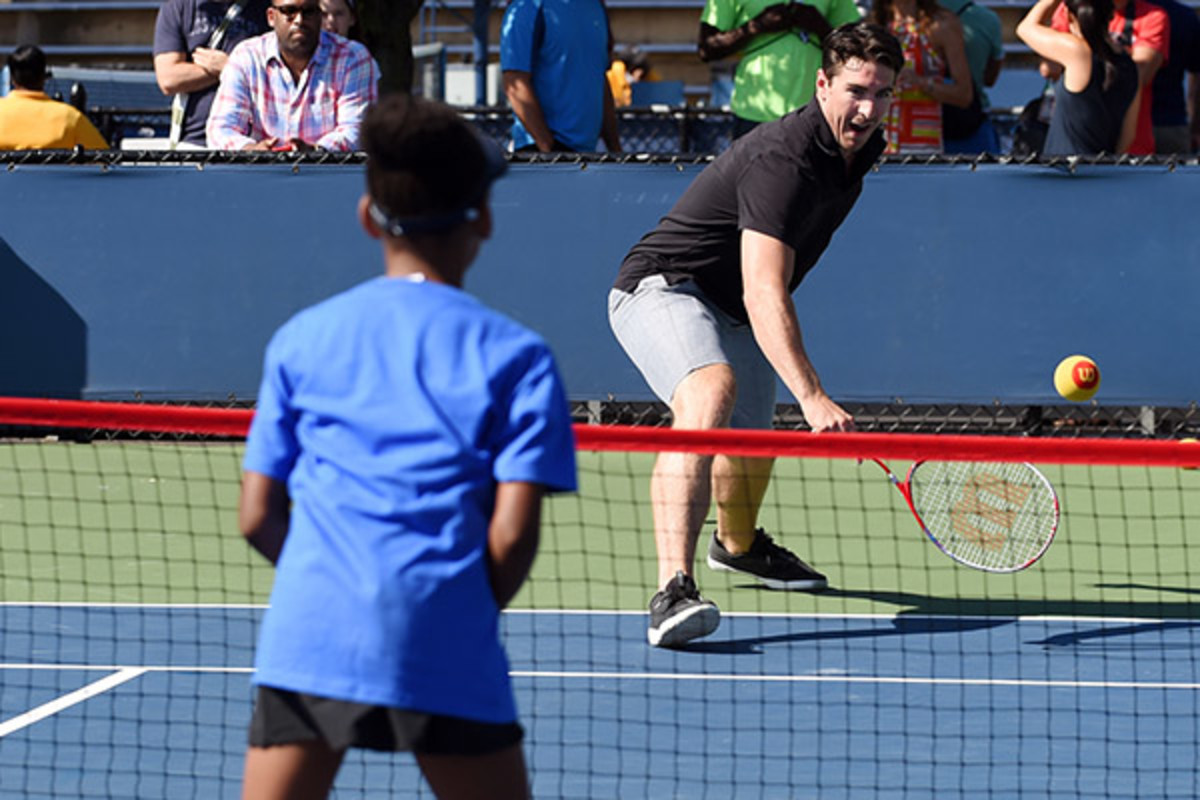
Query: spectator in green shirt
pixel 780 49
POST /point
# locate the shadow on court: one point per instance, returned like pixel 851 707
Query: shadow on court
pixel 900 626
pixel 927 614
pixel 1145 587
pixel 1110 637
pixel 912 603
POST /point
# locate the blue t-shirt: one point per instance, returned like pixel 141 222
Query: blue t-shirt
pixel 564 45
pixel 392 411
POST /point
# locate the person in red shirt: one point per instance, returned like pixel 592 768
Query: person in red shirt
pixel 1144 30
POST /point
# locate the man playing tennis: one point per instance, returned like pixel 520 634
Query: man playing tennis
pixel 404 437
pixel 702 305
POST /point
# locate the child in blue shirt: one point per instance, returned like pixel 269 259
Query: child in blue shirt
pixel 404 436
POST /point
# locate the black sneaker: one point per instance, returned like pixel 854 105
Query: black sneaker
pixel 679 614
pixel 776 567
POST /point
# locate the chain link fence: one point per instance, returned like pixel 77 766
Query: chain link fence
pixel 696 130
pixel 1075 421
pixel 1123 422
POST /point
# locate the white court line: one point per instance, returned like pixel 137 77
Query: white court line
pixel 877 679
pixel 69 604
pixel 122 667
pixel 899 616
pixel 133 672
pixel 611 612
pixel 619 612
pixel 68 700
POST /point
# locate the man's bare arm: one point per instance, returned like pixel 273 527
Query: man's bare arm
pixel 714 44
pixel 518 88
pixel 609 130
pixel 176 74
pixel 1147 60
pixel 767 265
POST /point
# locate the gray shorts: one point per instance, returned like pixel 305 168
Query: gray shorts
pixel 671 331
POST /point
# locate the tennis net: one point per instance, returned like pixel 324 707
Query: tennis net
pixel 129 610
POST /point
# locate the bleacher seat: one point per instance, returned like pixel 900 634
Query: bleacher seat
pixel 1015 87
pixel 110 88
pixel 657 93
pixel 721 92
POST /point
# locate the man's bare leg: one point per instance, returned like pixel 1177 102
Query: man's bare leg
pixel 681 485
pixel 739 486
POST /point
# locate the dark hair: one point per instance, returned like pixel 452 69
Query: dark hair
pixel 427 168
pixel 1093 17
pixel 27 67
pixel 862 40
pixel 355 31
pixel 635 58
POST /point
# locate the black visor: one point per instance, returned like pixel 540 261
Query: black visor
pixel 495 165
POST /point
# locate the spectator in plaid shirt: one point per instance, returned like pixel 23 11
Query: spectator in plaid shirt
pixel 293 88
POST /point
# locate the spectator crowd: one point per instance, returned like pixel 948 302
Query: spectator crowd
pixel 294 75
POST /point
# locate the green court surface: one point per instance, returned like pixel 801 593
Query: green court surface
pixel 155 522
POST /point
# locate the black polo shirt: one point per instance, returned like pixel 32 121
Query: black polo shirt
pixel 786 179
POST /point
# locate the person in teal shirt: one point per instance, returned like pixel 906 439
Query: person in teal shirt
pixel 983 39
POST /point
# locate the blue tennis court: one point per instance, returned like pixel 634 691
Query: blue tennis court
pixel 152 701
pixel 129 612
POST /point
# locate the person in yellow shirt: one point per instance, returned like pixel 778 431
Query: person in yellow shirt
pixel 29 120
pixel 628 67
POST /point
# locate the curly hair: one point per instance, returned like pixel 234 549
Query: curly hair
pixel 423 159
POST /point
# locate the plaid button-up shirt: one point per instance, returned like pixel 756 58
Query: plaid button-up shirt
pixel 258 99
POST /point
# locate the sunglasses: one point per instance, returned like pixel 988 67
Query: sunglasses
pixel 290 12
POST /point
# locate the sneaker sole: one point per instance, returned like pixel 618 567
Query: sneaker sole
pixel 808 584
pixel 694 623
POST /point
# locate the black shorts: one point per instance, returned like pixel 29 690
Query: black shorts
pixel 283 717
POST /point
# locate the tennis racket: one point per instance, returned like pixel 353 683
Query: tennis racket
pixel 993 516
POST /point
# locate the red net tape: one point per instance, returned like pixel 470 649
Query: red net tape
pixel 748 443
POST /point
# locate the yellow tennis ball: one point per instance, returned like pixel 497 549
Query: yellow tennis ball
pixel 1077 378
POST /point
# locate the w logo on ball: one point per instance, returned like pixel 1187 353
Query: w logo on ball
pixel 1086 375
pixel 1077 378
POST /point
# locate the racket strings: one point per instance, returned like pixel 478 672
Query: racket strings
pixel 996 516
